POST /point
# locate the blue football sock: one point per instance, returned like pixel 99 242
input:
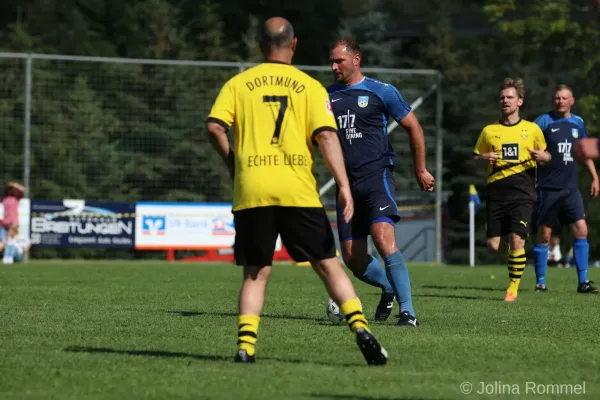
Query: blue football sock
pixel 374 275
pixel 581 250
pixel 397 273
pixel 540 260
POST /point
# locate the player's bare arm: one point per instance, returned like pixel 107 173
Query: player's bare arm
pixel 218 139
pixel 595 186
pixel 587 149
pixel 417 146
pixel 331 149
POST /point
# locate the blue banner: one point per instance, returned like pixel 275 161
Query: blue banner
pixel 80 223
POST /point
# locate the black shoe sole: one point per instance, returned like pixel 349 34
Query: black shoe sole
pixel 244 358
pixel 372 351
pixel 245 361
pixel 382 316
pixel 408 324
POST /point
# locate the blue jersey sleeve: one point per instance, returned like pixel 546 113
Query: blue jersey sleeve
pixel 542 122
pixel 581 124
pixel 394 103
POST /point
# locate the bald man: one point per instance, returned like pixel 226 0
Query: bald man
pixel 279 114
pixel 559 197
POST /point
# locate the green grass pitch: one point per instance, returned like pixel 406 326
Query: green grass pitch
pixel 120 330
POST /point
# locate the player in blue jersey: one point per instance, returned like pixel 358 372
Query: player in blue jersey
pixel 559 199
pixel 362 107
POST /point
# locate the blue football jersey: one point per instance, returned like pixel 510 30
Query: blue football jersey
pixel 561 135
pixel 362 112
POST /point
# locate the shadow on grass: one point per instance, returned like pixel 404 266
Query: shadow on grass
pixel 457 296
pixel 203 357
pixel 360 397
pixel 486 289
pixel 228 314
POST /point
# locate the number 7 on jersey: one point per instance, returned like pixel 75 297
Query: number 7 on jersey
pixel 283 104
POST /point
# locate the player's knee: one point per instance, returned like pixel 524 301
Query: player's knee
pixel 493 244
pixel 327 268
pixel 580 229
pixel 257 273
pixel 357 263
pixel 385 245
pixel 384 238
pixel 543 236
pixel 517 241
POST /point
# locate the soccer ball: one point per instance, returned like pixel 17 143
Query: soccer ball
pixel 333 312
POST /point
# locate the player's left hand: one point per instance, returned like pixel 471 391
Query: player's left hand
pixel 594 188
pixel 539 155
pixel 425 179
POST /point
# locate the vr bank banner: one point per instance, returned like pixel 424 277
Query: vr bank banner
pixel 81 223
pixel 165 225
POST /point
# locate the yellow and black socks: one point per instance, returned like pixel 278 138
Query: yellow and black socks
pixel 352 310
pixel 247 332
pixel 516 267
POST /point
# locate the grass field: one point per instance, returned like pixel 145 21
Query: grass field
pixel 167 331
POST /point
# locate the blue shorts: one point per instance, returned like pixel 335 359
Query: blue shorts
pixel 559 206
pixel 374 201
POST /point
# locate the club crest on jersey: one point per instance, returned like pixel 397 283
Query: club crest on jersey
pixel 575 132
pixel 363 101
pixel 524 135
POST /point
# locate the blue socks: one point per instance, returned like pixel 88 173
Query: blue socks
pixel 374 275
pixel 540 260
pixel 397 273
pixel 581 250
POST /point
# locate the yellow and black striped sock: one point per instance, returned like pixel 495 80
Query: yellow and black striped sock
pixel 352 310
pixel 505 248
pixel 247 331
pixel 516 267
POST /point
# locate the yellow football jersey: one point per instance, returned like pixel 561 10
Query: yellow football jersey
pixel 514 169
pixel 275 111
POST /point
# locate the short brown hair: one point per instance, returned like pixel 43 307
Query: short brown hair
pixel 516 84
pixel 562 86
pixel 349 44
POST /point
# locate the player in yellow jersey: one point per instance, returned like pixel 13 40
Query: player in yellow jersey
pixel 278 113
pixel 511 148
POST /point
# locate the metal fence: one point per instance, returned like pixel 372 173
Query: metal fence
pixel 133 129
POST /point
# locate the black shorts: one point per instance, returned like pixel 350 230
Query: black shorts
pixel 559 206
pixel 508 216
pixel 374 201
pixel 305 233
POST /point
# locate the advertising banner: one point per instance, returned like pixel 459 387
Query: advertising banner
pixel 188 226
pixel 81 223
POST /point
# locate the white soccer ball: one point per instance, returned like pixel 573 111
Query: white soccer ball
pixel 333 313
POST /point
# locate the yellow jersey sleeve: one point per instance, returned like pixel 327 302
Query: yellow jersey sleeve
pixel 539 138
pixel 320 113
pixel 482 146
pixel 223 110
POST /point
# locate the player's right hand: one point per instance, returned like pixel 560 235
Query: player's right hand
pixel 491 157
pixel 345 198
pixel 426 180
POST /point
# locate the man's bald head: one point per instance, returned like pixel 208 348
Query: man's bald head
pixel 277 33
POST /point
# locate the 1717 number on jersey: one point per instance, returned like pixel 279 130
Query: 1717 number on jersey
pixel 510 151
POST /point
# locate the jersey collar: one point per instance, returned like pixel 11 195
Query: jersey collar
pixel 276 62
pixel 356 84
pixel 515 124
